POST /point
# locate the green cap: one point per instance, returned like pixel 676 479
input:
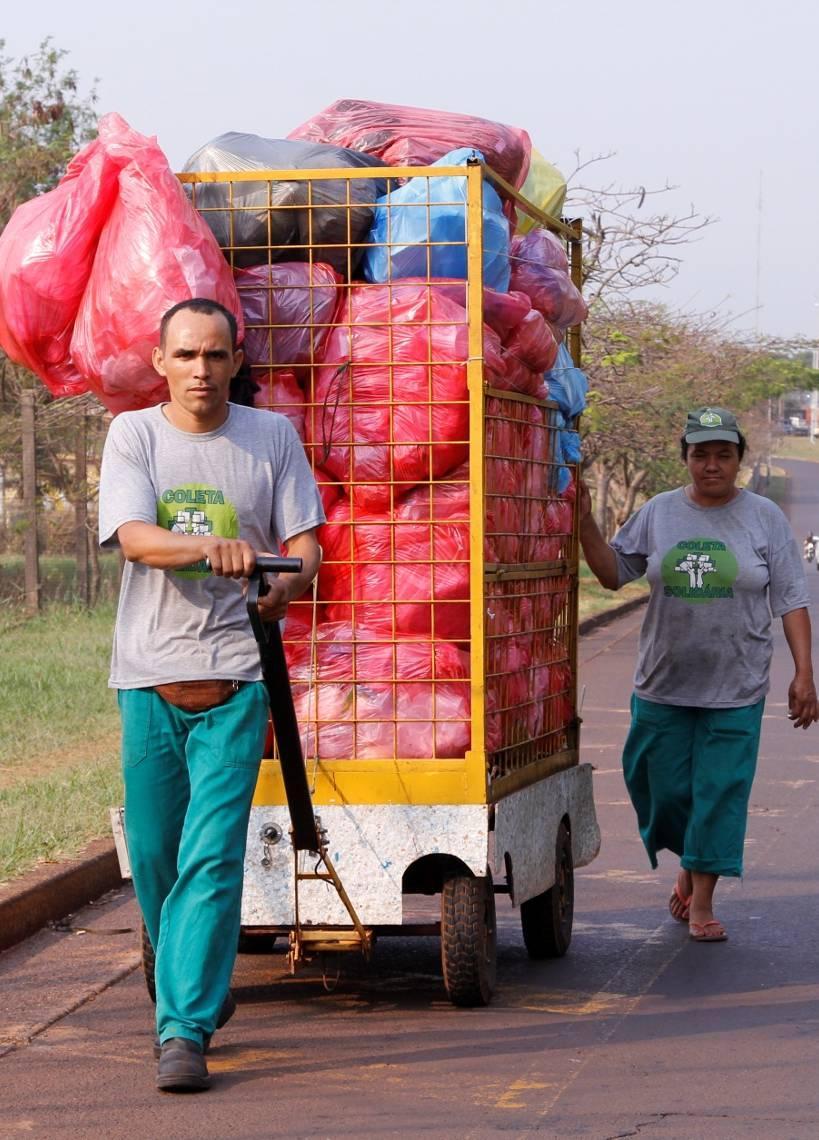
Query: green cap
pixel 706 424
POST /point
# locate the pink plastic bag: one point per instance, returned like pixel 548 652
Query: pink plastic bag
pixel 288 309
pixel 415 136
pixel 408 574
pixel 155 250
pixel 373 422
pixel 547 285
pixel 532 343
pixel 371 698
pixel 279 391
pixel 46 254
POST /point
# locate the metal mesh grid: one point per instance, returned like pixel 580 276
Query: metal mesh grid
pixel 378 380
pixel 530 588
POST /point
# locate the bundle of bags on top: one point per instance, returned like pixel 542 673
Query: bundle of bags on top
pixel 360 339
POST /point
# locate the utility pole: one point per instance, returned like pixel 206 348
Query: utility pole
pixel 81 512
pixel 32 554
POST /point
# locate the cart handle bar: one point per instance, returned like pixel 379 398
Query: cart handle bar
pixel 271 564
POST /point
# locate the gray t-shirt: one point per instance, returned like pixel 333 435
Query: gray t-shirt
pixel 716 576
pixel 249 479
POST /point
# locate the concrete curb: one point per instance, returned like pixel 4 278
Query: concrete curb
pixel 605 616
pixel 51 891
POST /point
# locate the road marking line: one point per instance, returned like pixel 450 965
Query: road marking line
pixel 511 1098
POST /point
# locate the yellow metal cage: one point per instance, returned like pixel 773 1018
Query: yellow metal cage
pixel 435 663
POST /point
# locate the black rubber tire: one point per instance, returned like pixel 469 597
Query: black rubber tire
pixel 468 940
pixel 546 920
pixel 148 961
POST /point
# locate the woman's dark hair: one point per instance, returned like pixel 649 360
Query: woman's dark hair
pixel 742 446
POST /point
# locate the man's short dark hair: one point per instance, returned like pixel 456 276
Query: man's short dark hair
pixel 199 305
pixel 741 446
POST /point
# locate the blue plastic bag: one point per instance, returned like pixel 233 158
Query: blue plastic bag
pixel 567 384
pixel 570 452
pixel 426 210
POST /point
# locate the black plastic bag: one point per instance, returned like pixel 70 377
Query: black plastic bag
pixel 262 222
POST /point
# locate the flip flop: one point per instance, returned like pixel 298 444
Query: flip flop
pixel 711 931
pixel 679 905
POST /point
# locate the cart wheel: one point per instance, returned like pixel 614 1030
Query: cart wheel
pixel 468 939
pixel 148 961
pixel 546 919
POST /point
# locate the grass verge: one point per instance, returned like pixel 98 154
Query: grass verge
pixel 796 447
pixel 59 768
pixel 55 815
pixel 594 599
pixel 58 579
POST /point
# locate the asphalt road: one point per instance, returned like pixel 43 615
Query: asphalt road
pixel 636 1032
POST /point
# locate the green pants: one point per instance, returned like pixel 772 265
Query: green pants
pixel 689 773
pixel 189 781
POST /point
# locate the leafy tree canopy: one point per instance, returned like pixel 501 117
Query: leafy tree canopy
pixel 44 120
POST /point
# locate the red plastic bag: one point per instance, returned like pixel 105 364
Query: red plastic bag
pixel 510 716
pixel 46 254
pixel 329 489
pixel 408 574
pixel 367 698
pixel 529 346
pixel 288 309
pixel 376 423
pixel 548 285
pixel 155 250
pixel 532 343
pixel 415 136
pixel 279 391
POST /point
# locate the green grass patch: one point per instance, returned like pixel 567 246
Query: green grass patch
pixel 595 599
pixel 58 578
pixel 796 447
pixel 54 683
pixel 58 734
pixel 55 815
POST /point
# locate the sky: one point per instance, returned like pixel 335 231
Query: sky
pixel 719 99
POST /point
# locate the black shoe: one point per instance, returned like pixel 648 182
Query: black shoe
pixel 227 1011
pixel 182 1067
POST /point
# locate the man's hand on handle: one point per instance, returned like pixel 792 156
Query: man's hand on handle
pixel 229 557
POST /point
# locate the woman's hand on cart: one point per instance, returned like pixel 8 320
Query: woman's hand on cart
pixel 802 704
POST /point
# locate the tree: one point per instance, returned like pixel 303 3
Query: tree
pixel 647 366
pixel 43 121
pixel 628 246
